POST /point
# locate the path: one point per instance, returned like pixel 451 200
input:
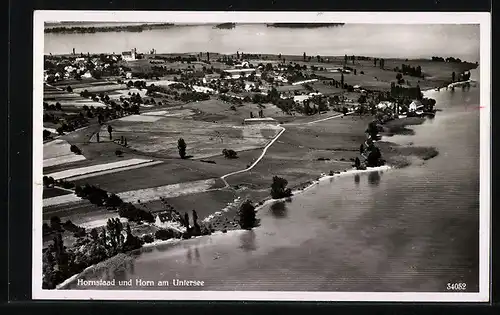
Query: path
pixel 223 178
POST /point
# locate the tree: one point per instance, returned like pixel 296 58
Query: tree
pixel 76 150
pixel 372 130
pixel 110 131
pixel 164 234
pixel 186 220
pixel 344 110
pixel 55 223
pixel 362 99
pixel 195 218
pixel 374 157
pixel 278 188
pixel 247 215
pixel 181 146
pixel 229 154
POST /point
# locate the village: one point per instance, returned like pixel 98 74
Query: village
pixel 142 140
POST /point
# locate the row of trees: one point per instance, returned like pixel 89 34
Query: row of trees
pixel 409 70
pixel 53 107
pixel 100 197
pixel 449 59
pixel 172 59
pixel 49 181
pixel 381 62
pixel 398 91
pixel 56 226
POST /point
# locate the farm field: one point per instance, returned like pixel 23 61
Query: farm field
pixel 166 173
pixel 167 191
pixel 53 95
pixel 215 110
pixel 54 192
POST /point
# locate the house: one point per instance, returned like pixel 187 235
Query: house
pixel 384 105
pixel 281 78
pixel 299 99
pixel 211 77
pixel 87 75
pixel 236 73
pixel 203 89
pixel 168 220
pixel 129 55
pixel 242 65
pixel 69 69
pixel 415 105
pixel 249 86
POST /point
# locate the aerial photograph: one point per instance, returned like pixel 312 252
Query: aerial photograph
pixel 321 157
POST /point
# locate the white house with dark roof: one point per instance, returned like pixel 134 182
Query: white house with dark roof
pixel 129 55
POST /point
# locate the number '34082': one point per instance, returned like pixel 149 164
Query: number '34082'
pixel 460 286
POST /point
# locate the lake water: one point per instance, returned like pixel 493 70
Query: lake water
pixel 412 229
pixel 398 41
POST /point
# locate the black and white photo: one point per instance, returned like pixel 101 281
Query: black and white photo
pixel 261 156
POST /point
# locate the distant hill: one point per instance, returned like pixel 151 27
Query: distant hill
pixel 305 25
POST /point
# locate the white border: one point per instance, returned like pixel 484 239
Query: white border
pixel 186 17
